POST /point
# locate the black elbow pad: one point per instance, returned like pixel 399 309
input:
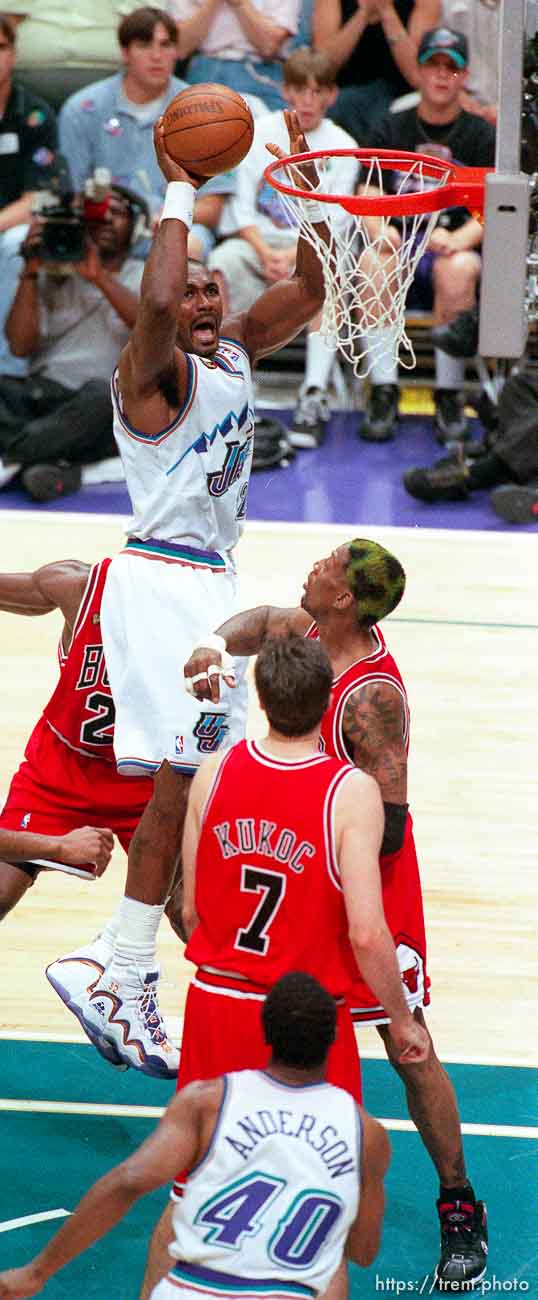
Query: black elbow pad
pixel 395 819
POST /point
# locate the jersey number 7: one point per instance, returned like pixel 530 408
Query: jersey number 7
pixel 272 887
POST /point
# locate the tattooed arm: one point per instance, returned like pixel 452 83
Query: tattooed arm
pixel 374 727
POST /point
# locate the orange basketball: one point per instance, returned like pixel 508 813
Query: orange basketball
pixel 208 129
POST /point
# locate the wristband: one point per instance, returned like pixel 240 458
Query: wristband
pixel 316 212
pixel 179 203
pixel 225 669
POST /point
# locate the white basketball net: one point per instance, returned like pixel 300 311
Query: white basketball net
pixel 367 272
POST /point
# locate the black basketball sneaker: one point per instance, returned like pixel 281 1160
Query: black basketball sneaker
pixel 464 1245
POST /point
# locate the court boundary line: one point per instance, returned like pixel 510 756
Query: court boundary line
pixel 103 1110
pixel 26 1220
pixel 367 1054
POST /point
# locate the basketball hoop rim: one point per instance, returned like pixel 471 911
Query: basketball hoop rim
pixel 464 187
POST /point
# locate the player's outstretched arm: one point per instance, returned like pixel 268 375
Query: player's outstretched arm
pixel 151 356
pixel 54 586
pixel 286 307
pixel 89 844
pixel 364 1238
pixel 243 634
pixel 180 1136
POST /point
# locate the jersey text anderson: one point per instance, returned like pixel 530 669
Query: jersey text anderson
pixel 332 1149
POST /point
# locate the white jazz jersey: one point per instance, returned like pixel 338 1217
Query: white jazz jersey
pixel 189 482
pixel 274 1197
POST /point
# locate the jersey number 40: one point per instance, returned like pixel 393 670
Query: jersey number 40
pixel 238 1212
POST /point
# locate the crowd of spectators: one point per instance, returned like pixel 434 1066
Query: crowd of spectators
pixel 87 83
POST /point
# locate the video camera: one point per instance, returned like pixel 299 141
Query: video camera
pixel 66 216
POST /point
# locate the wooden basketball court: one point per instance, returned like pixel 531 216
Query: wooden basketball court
pixel 466 639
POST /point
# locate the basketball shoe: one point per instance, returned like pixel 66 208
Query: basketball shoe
pixel 310 419
pixel 464 1245
pixel 126 1017
pixel 73 978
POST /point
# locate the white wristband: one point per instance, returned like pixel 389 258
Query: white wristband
pixel 179 203
pixel 225 669
pixel 315 212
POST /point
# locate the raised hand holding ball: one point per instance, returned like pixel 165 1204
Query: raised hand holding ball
pixel 207 129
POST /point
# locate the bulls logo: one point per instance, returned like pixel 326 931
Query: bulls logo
pixel 210 731
pixel 412 972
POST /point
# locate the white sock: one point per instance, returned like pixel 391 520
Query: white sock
pixel 319 362
pixel 109 932
pixel 449 371
pixel 381 350
pixel 136 940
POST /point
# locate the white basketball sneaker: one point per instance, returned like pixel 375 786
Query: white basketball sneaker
pixel 127 1017
pixel 73 978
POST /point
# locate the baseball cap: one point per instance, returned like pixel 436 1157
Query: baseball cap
pixel 442 40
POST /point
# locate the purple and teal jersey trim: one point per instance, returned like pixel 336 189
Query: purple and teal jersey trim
pixel 209 1281
pixel 153 548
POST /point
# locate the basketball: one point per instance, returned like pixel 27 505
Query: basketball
pixel 208 129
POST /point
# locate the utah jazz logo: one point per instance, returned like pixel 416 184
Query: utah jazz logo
pixel 210 731
pixel 221 479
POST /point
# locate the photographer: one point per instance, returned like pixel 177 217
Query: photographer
pixel 72 321
pixel 27 139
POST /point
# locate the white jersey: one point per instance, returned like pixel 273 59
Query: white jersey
pixel 188 484
pixel 273 1199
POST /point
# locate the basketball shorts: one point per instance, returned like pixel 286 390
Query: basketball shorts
pixel 404 914
pixel 222 1032
pixel 153 612
pixel 56 790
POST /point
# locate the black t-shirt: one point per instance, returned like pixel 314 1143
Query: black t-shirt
pixel 468 140
pixel 372 56
pixel 27 144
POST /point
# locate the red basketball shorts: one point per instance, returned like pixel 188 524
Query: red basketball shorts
pixel 57 790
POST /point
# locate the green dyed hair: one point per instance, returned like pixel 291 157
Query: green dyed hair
pixel 375 578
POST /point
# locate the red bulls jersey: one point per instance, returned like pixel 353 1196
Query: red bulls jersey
pixel 81 710
pixel 379 666
pixel 268 891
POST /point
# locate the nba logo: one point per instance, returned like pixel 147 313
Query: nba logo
pixel 25 821
pixel 179 745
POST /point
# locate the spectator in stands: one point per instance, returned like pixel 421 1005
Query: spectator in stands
pixel 110 123
pixel 27 143
pixel 239 43
pixel 264 248
pixel 448 272
pixel 479 20
pixel 72 322
pixel 506 461
pixel 62 46
pixel 374 46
